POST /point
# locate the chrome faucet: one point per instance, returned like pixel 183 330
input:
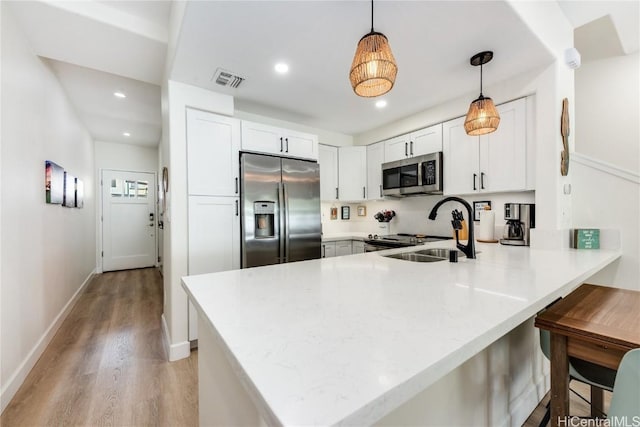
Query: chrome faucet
pixel 469 249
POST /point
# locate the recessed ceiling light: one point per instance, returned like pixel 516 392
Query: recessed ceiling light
pixel 281 68
pixel 381 103
pixel 119 94
pixel 126 134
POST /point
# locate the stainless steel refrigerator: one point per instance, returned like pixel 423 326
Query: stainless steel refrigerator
pixel 280 204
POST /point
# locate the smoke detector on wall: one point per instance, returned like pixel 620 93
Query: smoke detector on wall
pixel 572 58
pixel 227 78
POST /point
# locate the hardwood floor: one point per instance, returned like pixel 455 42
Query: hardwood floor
pixel 577 407
pixel 107 364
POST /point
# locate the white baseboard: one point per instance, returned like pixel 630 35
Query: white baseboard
pixel 10 388
pixel 178 351
pixel 521 407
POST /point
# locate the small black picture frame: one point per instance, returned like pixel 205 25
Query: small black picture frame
pixel 345 212
pixel 478 207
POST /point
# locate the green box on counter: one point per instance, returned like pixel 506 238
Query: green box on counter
pixel 585 238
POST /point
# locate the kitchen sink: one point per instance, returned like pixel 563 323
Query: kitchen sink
pixel 426 255
pixel 438 252
pixel 415 257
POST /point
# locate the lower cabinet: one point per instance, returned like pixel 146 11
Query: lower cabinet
pixel 342 247
pixel 214 240
pixel 328 249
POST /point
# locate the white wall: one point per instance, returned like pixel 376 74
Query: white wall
pixel 607 111
pixel 607 128
pixel 412 212
pixel 48 250
pixel 114 155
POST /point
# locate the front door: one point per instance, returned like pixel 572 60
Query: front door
pixel 128 220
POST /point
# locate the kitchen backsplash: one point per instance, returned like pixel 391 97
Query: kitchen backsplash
pixel 411 214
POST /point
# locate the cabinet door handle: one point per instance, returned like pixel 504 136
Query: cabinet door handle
pixel 281 148
pixel 475 178
pixel 482 180
pixel 236 185
pixel 287 145
pixel 324 251
pixel 380 190
pixel 411 148
pixel 237 210
pixel 364 194
pixel 406 154
pixel 336 193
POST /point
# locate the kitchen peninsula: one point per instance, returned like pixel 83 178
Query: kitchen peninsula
pixel 354 340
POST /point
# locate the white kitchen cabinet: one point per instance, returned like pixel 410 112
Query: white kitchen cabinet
pixel 503 153
pixel 357 247
pixel 328 249
pixel 426 141
pixel 328 160
pixel 267 139
pixel 352 173
pixel 495 162
pixel 213 145
pixel 343 247
pixel 417 143
pixel 214 240
pixel 396 148
pixel 375 159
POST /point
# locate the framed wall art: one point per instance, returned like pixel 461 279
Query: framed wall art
pixel 79 193
pixel 346 212
pixel 54 182
pixel 69 198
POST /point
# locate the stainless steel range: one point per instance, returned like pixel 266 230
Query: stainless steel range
pixel 400 240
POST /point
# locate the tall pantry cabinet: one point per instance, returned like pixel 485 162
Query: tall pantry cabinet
pixel 213 150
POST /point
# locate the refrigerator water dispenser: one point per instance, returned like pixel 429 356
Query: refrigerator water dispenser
pixel 263 213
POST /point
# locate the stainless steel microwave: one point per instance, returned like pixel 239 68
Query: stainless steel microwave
pixel 416 175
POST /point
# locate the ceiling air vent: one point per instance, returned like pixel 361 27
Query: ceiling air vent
pixel 227 78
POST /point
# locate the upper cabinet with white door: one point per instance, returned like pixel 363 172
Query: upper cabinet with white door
pixel 495 162
pixel 375 159
pixel 267 139
pixel 426 141
pixel 417 143
pixel 352 173
pixel 328 160
pixel 213 145
pixel 396 148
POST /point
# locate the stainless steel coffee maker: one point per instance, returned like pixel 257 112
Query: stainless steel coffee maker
pixel 521 218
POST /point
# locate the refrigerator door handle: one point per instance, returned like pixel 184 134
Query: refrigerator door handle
pixel 285 196
pixel 281 223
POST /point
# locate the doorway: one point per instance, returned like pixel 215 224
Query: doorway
pixel 128 220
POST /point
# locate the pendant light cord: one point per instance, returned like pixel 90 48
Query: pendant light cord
pixel 481 80
pixel 372 16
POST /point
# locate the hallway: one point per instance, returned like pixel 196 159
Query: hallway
pixel 107 365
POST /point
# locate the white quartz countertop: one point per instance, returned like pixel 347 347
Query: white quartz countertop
pixel 347 340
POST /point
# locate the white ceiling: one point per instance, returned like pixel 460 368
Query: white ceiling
pixel 625 16
pixel 107 116
pixel 97 47
pixel 432 42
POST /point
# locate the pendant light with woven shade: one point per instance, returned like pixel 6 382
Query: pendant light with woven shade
pixel 482 117
pixel 373 71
